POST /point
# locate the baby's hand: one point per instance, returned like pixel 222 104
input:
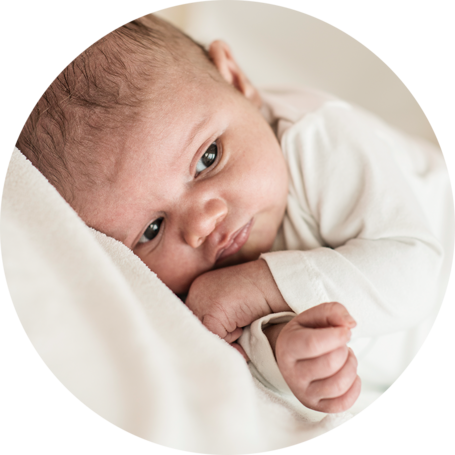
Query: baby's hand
pixel 314 360
pixel 227 299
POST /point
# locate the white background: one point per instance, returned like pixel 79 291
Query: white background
pixel 279 46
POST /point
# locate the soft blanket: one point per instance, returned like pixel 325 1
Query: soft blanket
pixel 123 343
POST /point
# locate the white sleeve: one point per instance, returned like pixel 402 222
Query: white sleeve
pixel 258 349
pixel 350 189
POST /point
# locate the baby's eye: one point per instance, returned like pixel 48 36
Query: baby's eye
pixel 208 158
pixel 152 231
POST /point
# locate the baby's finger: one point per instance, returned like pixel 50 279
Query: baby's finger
pixel 322 367
pixel 214 326
pixel 342 403
pixel 326 315
pixel 233 336
pixel 339 383
pixel 297 343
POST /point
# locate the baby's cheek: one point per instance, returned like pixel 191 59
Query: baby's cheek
pixel 176 273
pixel 176 278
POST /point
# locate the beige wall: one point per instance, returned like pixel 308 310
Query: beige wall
pixel 276 45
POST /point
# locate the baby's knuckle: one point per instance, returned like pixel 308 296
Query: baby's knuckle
pixel 308 398
pixel 347 381
pixel 337 406
pixel 340 387
pixel 338 306
pixel 325 406
pixel 214 325
pixel 330 307
pixel 300 371
pixel 332 362
pixel 353 360
pixel 313 345
pixel 284 358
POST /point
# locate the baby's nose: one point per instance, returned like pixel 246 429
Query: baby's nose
pixel 202 220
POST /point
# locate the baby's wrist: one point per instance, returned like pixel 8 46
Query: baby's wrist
pixel 269 288
pixel 272 332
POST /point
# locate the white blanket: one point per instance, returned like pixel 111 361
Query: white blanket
pixel 123 343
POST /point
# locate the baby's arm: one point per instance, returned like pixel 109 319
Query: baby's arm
pixel 310 350
pixel 314 359
pixel 358 223
pixel 225 300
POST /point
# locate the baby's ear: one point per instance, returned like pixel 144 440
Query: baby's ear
pixel 222 57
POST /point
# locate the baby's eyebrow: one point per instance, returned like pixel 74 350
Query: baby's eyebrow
pixel 193 133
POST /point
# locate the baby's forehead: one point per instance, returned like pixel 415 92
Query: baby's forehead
pixel 177 116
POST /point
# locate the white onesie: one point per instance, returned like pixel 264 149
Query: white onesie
pixel 369 223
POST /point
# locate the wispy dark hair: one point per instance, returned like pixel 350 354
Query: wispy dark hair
pixel 102 91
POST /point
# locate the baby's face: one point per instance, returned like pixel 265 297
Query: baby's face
pixel 200 184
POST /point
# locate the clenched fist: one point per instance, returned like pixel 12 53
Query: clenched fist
pixel 225 300
pixel 314 360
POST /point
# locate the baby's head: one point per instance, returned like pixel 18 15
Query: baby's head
pixel 161 145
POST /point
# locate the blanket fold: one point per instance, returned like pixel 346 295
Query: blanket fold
pixel 123 343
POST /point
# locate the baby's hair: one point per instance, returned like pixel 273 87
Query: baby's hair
pixel 100 94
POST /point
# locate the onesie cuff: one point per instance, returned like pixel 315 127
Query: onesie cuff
pixel 296 278
pixel 258 349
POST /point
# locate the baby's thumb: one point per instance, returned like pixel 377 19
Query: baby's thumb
pixel 214 325
pixel 338 315
pixel 233 336
pixel 330 314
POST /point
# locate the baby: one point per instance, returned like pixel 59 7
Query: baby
pixel 171 150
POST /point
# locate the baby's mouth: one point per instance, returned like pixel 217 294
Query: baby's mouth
pixel 238 240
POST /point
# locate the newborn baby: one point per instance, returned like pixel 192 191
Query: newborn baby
pixel 171 150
